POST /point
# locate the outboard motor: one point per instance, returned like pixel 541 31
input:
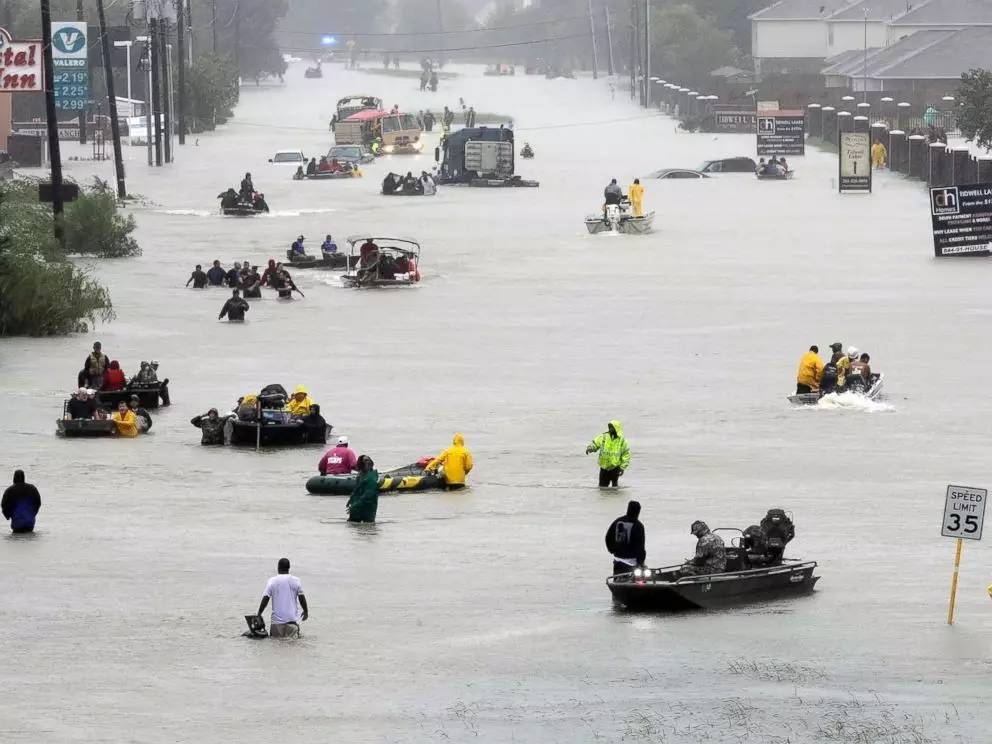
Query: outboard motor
pixel 778 531
pixel 613 217
pixel 273 396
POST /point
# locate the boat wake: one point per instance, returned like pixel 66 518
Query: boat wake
pixel 850 402
pixel 189 212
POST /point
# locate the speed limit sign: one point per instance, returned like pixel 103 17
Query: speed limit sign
pixel 964 512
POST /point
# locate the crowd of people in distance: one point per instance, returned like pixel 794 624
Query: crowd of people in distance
pixel 394 183
pixel 315 167
pixel 774 166
pixel 845 371
pixel 245 196
pixel 271 404
pixel 245 282
pixel 428 74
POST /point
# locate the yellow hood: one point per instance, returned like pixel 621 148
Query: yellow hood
pixel 458 440
pixel 300 389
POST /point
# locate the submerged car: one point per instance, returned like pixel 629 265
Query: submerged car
pixel 350 154
pixel 729 165
pixel 289 157
pixel 676 173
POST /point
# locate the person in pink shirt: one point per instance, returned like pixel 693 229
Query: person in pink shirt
pixel 339 460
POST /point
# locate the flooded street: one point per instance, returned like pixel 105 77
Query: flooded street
pixel 483 614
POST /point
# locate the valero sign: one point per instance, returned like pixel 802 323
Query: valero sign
pixel 21 65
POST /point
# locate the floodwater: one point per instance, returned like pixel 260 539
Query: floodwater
pixel 483 614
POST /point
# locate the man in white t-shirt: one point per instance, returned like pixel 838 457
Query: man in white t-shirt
pixel 285 590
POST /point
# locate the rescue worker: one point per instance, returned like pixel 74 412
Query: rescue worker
pixel 636 195
pixel 216 275
pixel 235 307
pixel 228 199
pixel 299 402
pixel 259 204
pixel 711 556
pixel 297 246
pixel 146 375
pixel 315 425
pixel 328 246
pixel 612 194
pixel 211 427
pixel 625 540
pixel 456 461
pixel 338 460
pixel 810 371
pixel 142 416
pixel 247 189
pixel 125 421
pixel 96 366
pixel 364 500
pixel 21 504
pixel 198 278
pixel 614 454
pixel 81 405
pixel 837 349
pixel 878 155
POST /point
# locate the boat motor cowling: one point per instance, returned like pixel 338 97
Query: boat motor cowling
pixel 778 531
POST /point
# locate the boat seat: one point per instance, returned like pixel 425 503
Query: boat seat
pixel 736 559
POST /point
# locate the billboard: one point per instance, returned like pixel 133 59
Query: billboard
pixel 70 65
pixel 781 132
pixel 21 65
pixel 962 219
pixel 854 155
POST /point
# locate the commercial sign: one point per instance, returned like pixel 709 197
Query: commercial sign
pixel 734 121
pixel 964 512
pixel 21 65
pixel 855 162
pixel 781 132
pixel 962 219
pixel 70 61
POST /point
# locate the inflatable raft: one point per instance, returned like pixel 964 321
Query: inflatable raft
pixel 408 478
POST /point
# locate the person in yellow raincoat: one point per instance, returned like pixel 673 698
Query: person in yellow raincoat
pixel 299 402
pixel 810 371
pixel 878 155
pixel 125 421
pixel 614 454
pixel 636 195
pixel 456 461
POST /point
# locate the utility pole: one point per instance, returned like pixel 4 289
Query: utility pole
pixel 237 37
pixel 647 53
pixel 181 50
pixel 80 16
pixel 54 152
pixel 635 46
pixel 609 42
pixel 440 31
pixel 864 79
pixel 213 23
pixel 166 87
pixel 153 53
pixel 115 127
pixel 592 35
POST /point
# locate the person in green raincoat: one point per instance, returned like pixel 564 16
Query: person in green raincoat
pixel 364 499
pixel 614 454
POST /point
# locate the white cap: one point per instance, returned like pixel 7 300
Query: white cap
pixel 852 351
pixel 342 440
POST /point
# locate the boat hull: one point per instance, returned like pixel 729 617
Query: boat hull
pixel 240 212
pixel 245 433
pixel 657 593
pixel 333 261
pixel 811 399
pixel 85 427
pixel 328 176
pixel 765 177
pixel 628 225
pixel 409 478
pixel 148 396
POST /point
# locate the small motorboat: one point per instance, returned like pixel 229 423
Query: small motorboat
pixel 148 393
pixel 872 392
pixel 330 175
pixel 271 425
pixel 618 219
pixel 241 210
pixel 408 478
pixel 774 176
pixel 66 427
pixel 324 261
pixel 313 72
pixel 667 590
pixel 388 262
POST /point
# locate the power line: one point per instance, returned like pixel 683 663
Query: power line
pixel 438 33
pixel 310 50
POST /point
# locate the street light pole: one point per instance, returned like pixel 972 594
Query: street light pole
pixel 54 151
pixel 115 126
pixel 864 79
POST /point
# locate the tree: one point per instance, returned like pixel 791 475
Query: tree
pixel 974 98
pixel 212 91
pixel 245 33
pixel 686 46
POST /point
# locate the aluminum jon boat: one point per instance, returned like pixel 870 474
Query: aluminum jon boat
pixel 618 221
pixel 811 399
pixel 665 589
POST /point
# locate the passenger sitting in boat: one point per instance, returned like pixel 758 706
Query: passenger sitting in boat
pixel 247 409
pixel 337 167
pixel 761 167
pixel 774 169
pixel 316 426
pixel 411 185
pixel 125 421
pixel 859 378
pixel 198 278
pixel 328 246
pixel 312 167
pixel 710 555
pixel 783 165
pixel 228 199
pixel 427 185
pixel 273 397
pixel 115 379
pixel 387 267
pixel 81 405
pixel 368 254
pixel 259 204
pixel 402 265
pixel 339 460
pixel 211 426
pixel 297 247
pixel 235 307
pixel 299 404
pixel 143 417
pixel 216 275
pixel 299 175
pixel 323 166
pixel 146 375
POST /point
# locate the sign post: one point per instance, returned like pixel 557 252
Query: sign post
pixel 854 156
pixel 964 515
pixel 70 63
pixel 962 219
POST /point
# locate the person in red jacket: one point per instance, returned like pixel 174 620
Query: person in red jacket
pixel 269 273
pixel 114 379
pixel 339 460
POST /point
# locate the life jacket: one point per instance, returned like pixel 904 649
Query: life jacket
pixel 99 363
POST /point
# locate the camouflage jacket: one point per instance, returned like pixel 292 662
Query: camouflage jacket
pixel 710 553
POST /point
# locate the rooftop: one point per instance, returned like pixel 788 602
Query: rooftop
pixel 926 55
pixel 853 63
pixel 878 10
pixel 947 13
pixel 799 10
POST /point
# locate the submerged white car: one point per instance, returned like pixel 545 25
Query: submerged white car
pixel 292 158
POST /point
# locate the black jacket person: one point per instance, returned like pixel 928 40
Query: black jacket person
pixel 625 540
pixel 21 503
pixel 235 307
